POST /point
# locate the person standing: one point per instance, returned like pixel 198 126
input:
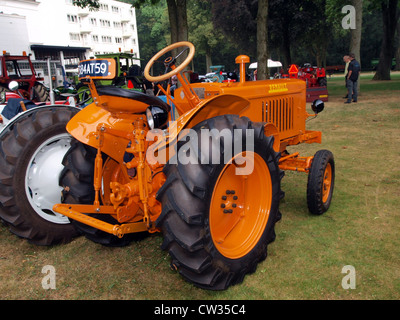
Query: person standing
pixel 352 79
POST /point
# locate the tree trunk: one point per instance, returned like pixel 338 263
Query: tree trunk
pixel 355 41
pixel 262 40
pixel 389 14
pixel 173 20
pixel 182 20
pixel 287 56
pixel 398 47
pixel 208 58
pixel 177 14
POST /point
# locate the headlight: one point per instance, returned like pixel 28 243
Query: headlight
pixel 156 117
pixel 318 106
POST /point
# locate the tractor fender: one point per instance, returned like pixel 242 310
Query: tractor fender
pixel 84 125
pixel 219 105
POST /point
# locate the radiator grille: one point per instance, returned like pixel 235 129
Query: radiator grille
pixel 280 113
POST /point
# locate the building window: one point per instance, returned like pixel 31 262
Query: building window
pixel 105 23
pixel 106 39
pixel 133 26
pixel 72 18
pixel 117 25
pixel 95 38
pixel 74 37
pixel 93 22
pixel 118 40
pixel 103 7
pixel 115 9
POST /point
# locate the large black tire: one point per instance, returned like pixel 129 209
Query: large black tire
pixel 41 94
pixel 31 151
pixel 321 180
pixel 76 180
pixel 186 199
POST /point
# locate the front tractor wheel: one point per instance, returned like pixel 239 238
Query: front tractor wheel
pixel 216 223
pixel 31 151
pixel 41 94
pixel 320 183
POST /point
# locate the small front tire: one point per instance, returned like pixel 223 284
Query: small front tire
pixel 321 182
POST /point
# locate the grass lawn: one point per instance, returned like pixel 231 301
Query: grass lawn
pixel 361 229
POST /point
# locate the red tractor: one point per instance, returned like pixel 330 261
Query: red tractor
pixel 314 76
pixel 315 79
pixel 21 70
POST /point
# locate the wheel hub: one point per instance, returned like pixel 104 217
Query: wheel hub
pixel 240 207
pixel 41 179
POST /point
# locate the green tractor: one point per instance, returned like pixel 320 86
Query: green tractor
pixel 129 74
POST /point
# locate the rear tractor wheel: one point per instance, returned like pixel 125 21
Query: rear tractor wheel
pixel 217 224
pixel 31 150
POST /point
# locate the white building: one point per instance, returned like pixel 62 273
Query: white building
pixel 62 31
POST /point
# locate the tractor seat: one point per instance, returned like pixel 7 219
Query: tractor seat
pixel 132 94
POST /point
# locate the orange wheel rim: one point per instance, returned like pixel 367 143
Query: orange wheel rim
pixel 326 188
pixel 240 206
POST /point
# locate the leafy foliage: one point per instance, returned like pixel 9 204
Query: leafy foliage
pixel 92 4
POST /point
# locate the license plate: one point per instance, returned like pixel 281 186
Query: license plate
pixel 97 69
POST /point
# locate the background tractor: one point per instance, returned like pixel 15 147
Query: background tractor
pixel 21 70
pixel 315 78
pixel 210 182
pixel 128 75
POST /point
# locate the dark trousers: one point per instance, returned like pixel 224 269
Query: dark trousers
pixel 352 92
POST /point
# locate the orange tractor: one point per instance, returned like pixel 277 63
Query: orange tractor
pixel 210 181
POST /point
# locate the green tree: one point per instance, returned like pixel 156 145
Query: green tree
pixel 237 20
pixel 286 21
pixel 92 4
pixel 390 16
pixel 319 31
pixel 177 13
pixel 153 28
pixel 202 32
pixel 245 24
